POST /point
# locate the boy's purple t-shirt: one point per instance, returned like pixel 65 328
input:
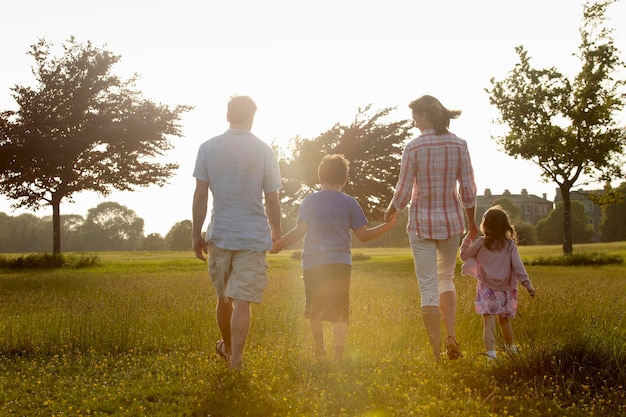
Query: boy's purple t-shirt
pixel 330 216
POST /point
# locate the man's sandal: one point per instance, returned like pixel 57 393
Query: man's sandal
pixel 220 350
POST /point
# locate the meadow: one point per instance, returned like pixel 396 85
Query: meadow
pixel 135 335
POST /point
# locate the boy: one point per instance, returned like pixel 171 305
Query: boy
pixel 325 220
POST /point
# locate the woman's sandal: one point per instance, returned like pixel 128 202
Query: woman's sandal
pixel 453 348
pixel 220 350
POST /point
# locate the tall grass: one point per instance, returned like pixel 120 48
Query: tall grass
pixel 134 335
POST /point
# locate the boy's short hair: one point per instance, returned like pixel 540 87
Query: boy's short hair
pixel 333 169
pixel 240 109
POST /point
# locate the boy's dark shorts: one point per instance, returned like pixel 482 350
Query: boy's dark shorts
pixel 327 290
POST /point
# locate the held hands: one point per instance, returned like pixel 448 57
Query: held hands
pixel 276 247
pixel 472 231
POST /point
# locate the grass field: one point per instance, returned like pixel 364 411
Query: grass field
pixel 135 336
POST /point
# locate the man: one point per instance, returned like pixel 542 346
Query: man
pixel 239 169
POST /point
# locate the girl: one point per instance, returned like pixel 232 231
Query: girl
pixel 493 259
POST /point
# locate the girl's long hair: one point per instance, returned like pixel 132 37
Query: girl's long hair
pixel 497 228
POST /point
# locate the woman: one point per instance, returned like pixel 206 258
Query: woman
pixel 437 178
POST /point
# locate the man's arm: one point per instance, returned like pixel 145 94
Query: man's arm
pixel 199 210
pixel 272 211
pixel 291 237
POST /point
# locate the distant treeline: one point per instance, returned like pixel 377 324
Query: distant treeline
pixel 107 227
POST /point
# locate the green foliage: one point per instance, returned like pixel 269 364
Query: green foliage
pixel 374 149
pixel 526 233
pixel 577 259
pixel 135 336
pixel 567 127
pixel 179 236
pixel 111 226
pixel 550 228
pixel 48 261
pixel 154 242
pixel 81 128
pixel 613 226
pixel 24 233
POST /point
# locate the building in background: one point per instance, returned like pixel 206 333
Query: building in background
pixel 532 208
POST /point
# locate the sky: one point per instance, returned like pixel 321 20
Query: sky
pixel 307 65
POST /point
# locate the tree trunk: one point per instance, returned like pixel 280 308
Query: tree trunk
pixel 567 221
pixel 56 226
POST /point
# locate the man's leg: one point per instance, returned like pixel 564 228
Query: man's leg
pixel 239 326
pixel 223 314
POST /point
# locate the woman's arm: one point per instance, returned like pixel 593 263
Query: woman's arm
pixel 365 235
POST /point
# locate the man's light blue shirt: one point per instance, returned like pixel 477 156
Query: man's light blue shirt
pixel 239 168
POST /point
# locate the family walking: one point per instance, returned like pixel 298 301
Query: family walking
pixel 436 181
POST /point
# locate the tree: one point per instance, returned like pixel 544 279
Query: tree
pixel 567 128
pixel 154 242
pixel 179 236
pixel 23 233
pixel 111 226
pixel 613 227
pixel 514 212
pixel 373 148
pixel 550 228
pixel 82 128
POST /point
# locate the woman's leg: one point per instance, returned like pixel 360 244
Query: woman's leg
pixel 447 251
pixel 425 263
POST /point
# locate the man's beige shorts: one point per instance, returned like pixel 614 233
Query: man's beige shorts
pixel 238 274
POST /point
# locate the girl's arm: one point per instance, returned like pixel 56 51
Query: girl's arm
pixel 365 235
pixel 469 248
pixel 520 271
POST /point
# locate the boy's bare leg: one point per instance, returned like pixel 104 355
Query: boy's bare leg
pixel 340 336
pixel 317 328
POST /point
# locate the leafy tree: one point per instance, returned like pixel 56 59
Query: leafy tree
pixel 613 226
pixel 515 214
pixel 179 236
pixel 111 226
pixel 567 127
pixel 154 242
pixel 550 228
pixel 23 233
pixel 373 148
pixel 71 230
pixel 81 128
